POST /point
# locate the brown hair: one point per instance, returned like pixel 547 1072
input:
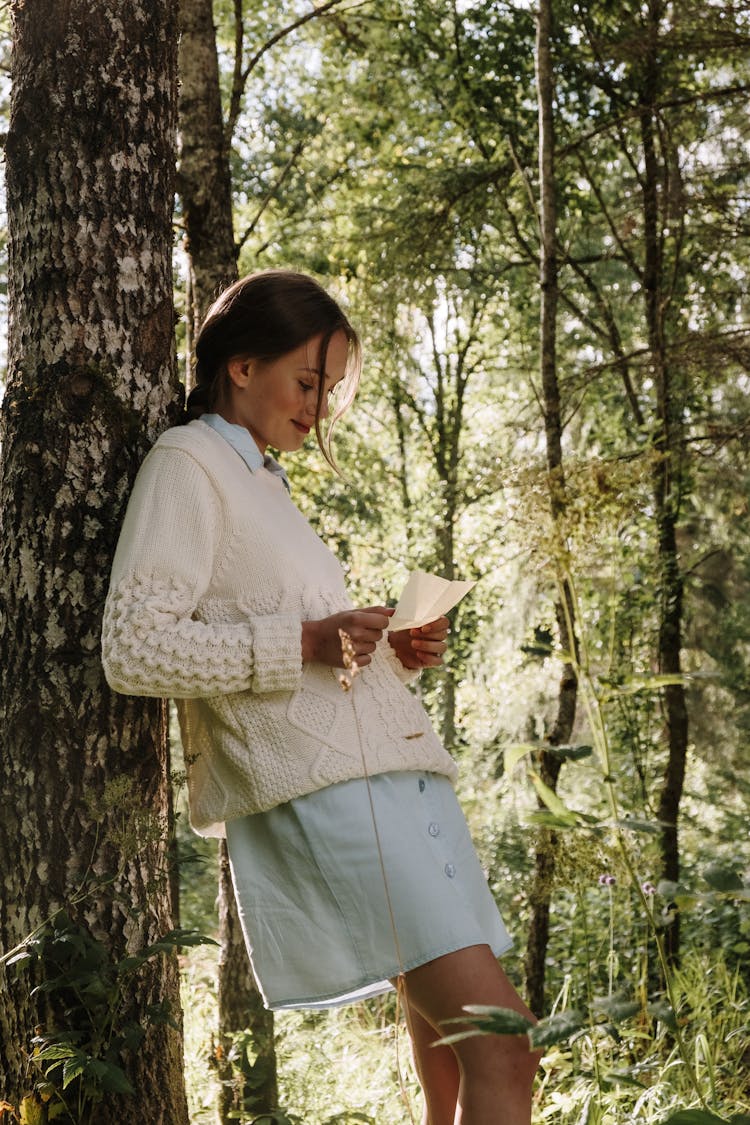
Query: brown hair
pixel 264 316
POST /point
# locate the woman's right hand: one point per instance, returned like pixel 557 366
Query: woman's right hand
pixel 321 642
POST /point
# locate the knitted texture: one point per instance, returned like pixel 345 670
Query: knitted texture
pixel 215 571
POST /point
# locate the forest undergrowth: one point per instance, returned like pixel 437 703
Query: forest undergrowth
pixel 621 1048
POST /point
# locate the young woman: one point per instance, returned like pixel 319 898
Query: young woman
pixel 351 859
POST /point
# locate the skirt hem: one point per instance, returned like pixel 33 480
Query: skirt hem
pixel 372 985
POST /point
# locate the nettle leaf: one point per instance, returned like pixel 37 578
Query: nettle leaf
pixel 73 1069
pixel 56 1051
pixel 556 1028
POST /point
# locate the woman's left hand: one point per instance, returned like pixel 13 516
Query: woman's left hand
pixel 423 647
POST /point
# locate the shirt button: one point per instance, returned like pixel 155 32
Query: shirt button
pixel 433 829
pixel 421 785
pixel 450 870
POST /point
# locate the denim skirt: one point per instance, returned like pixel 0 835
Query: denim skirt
pixel 330 917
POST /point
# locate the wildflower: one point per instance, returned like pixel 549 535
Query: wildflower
pixel 607 880
pixel 648 888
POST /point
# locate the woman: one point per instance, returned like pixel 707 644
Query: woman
pixel 351 860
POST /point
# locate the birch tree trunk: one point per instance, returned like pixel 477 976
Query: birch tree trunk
pixel 91 383
pixel 549 766
pixel 205 187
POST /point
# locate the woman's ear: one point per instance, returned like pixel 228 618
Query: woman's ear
pixel 239 371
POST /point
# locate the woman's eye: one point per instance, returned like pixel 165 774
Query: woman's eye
pixel 306 386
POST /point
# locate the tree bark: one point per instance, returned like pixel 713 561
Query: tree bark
pixel 205 187
pixel 91 383
pixel 204 178
pixel 549 766
pixel 667 473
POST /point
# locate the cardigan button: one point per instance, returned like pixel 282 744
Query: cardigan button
pixel 450 870
pixel 433 829
pixel 421 785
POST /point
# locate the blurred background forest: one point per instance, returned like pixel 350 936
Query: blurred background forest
pixel 541 230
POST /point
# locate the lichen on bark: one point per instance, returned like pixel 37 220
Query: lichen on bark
pixel 91 382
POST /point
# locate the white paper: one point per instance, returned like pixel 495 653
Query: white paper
pixel 426 597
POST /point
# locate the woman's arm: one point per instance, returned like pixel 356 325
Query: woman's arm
pixel 170 541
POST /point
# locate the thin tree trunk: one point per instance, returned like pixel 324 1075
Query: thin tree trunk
pixel 205 186
pixel 204 178
pixel 91 383
pixel 666 478
pixel 549 766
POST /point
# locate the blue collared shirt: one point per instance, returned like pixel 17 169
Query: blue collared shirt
pixel 241 441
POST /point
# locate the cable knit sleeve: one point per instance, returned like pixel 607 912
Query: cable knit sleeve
pixel 169 544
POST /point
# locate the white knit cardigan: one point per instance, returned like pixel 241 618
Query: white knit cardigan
pixel 214 572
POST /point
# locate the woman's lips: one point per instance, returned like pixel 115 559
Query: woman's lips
pixel 303 429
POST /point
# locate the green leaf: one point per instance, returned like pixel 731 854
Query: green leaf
pixel 557 1028
pixel 56 1051
pixel 722 878
pixel 694 1117
pixel 661 1010
pixel 489 1020
pixel 634 824
pixel 549 820
pixel 499 1021
pixel 617 1008
pixel 72 1069
pixel 552 801
pixel 636 684
pixel 110 1077
pixel 572 753
pixel 512 754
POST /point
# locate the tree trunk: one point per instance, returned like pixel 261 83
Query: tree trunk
pixel 205 186
pixel 91 383
pixel 204 178
pixel 667 473
pixel 549 766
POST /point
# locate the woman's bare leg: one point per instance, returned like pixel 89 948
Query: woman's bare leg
pixel 437 1068
pixel 496 1071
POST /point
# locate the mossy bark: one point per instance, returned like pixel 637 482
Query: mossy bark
pixel 91 382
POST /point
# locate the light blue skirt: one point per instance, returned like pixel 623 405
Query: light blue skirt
pixel 323 925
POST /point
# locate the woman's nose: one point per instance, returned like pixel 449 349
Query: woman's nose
pixel 324 408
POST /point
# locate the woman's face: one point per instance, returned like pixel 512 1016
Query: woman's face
pixel 276 401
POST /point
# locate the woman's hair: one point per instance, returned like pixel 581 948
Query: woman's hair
pixel 265 316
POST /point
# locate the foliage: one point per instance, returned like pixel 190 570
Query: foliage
pixel 78 1057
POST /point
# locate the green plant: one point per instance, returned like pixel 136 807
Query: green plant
pixel 78 1057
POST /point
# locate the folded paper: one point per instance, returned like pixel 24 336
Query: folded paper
pixel 426 597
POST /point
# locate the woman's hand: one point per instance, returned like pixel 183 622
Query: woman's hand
pixel 423 647
pixel 321 643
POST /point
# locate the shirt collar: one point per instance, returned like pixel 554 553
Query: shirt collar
pixel 241 441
